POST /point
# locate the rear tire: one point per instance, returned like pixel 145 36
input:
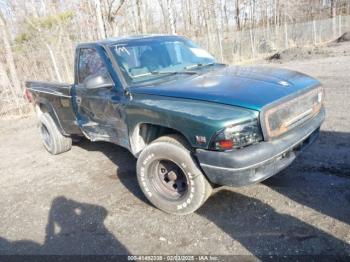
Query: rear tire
pixel 54 142
pixel 170 178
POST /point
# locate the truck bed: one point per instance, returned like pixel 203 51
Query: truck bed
pixel 52 88
pixel 55 98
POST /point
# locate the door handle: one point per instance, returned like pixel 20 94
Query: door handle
pixel 78 99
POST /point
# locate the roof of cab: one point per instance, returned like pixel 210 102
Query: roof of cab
pixel 115 40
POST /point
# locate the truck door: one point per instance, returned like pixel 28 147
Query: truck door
pixel 100 110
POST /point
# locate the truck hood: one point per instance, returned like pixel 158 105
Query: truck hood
pixel 249 87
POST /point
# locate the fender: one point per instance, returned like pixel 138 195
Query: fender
pixel 197 121
pixel 42 105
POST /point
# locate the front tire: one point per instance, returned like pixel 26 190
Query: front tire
pixel 54 142
pixel 170 178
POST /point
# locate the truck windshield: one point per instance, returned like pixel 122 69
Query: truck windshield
pixel 156 59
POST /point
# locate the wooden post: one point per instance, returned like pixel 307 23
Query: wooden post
pixel 314 31
pixel 286 45
pixel 220 45
pixel 252 42
pixel 333 15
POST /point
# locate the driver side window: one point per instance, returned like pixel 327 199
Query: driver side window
pixel 90 63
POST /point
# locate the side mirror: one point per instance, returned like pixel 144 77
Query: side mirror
pixel 101 80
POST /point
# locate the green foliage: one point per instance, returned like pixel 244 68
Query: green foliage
pixel 33 27
pixel 22 38
pixel 51 21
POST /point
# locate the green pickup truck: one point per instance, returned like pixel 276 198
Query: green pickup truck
pixel 192 123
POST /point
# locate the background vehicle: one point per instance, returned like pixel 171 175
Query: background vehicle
pixel 191 122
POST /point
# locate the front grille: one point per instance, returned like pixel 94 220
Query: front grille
pixel 288 114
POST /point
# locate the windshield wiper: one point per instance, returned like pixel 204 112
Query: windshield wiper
pixel 199 65
pixel 165 73
pixel 172 72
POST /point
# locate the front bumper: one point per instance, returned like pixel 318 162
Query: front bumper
pixel 258 162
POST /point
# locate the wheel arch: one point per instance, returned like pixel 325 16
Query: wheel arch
pixel 145 133
pixel 43 106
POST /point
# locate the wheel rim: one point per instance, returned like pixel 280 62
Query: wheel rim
pixel 168 179
pixel 45 135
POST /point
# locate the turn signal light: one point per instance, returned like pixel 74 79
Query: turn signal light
pixel 226 144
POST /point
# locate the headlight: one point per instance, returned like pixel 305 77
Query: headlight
pixel 237 136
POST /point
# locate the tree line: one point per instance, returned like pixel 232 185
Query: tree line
pixel 38 36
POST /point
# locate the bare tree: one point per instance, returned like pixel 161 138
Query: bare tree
pixel 237 16
pixel 171 16
pixel 113 9
pixel 100 22
pixel 140 15
pixel 38 37
pixel 10 58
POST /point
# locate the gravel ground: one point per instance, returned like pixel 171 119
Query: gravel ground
pixel 87 201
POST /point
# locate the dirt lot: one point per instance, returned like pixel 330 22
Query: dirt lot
pixel 87 201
